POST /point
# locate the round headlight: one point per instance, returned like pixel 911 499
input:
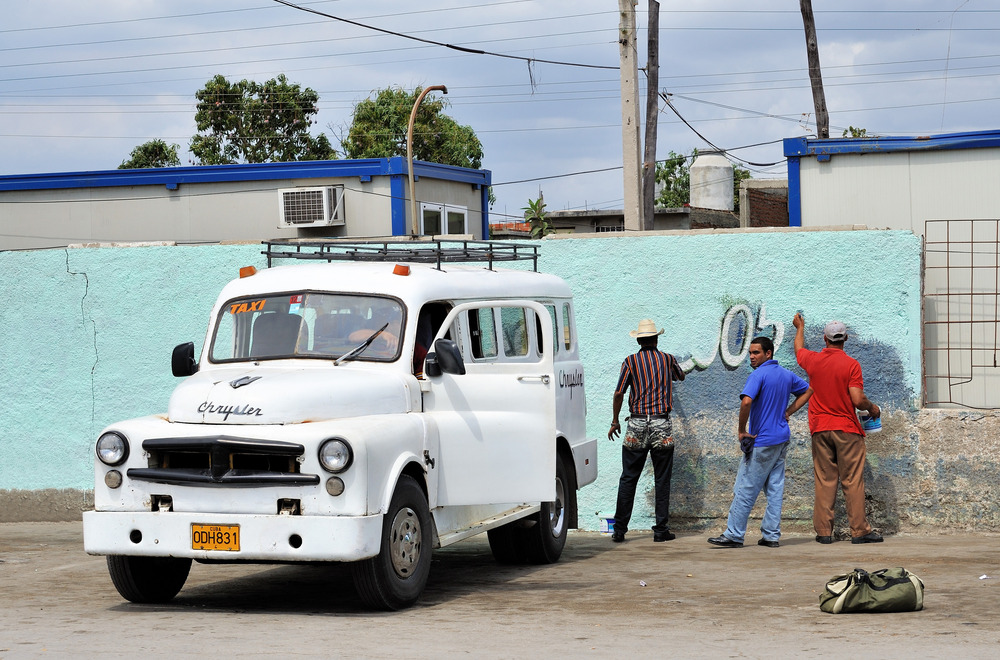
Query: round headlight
pixel 335 455
pixel 112 449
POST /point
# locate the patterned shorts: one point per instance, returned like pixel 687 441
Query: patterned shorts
pixel 643 433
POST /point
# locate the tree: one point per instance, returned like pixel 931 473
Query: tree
pixel 251 122
pixel 155 153
pixel 535 214
pixel 675 174
pixel 850 131
pixel 379 126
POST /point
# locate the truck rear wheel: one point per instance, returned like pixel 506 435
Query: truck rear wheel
pixel 547 539
pixel 148 579
pixel 508 543
pixel 395 578
pixel 539 539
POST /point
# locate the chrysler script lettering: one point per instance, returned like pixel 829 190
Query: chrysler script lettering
pixel 571 380
pixel 226 411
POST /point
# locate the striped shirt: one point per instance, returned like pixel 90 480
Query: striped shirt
pixel 648 376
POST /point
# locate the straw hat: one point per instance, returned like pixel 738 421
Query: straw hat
pixel 646 329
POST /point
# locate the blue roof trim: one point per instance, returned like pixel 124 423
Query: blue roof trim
pixel 171 177
pixel 794 192
pixel 800 146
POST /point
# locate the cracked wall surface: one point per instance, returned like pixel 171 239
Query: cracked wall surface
pixel 88 335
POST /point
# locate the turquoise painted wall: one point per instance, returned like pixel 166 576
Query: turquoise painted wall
pixel 87 338
pixel 689 285
pixel 88 334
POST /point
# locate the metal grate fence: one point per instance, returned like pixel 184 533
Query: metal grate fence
pixel 962 313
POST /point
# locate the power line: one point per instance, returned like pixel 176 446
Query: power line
pixel 461 49
pixel 666 99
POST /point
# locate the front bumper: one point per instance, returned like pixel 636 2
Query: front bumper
pixel 262 537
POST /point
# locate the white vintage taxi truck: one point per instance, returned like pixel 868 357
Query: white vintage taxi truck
pixel 367 404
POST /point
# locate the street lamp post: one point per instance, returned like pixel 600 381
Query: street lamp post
pixel 414 225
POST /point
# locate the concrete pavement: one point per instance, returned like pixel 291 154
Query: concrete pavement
pixel 683 598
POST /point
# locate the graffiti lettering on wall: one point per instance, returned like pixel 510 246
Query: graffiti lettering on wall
pixel 737 328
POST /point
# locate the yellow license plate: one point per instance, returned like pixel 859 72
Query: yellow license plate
pixel 215 537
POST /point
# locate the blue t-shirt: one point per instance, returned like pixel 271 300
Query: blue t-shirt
pixel 770 386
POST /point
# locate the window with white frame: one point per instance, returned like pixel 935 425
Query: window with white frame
pixel 441 219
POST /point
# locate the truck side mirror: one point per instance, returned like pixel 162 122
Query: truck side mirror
pixel 182 362
pixel 445 358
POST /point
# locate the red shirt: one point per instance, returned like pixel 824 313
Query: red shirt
pixel 831 372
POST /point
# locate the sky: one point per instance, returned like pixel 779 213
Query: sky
pixel 82 84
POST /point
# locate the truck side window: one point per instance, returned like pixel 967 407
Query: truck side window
pixel 514 325
pixel 482 333
pixel 555 326
pixel 567 333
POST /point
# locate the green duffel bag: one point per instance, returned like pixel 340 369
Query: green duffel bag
pixel 887 590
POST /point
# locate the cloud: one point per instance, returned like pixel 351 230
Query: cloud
pixel 82 84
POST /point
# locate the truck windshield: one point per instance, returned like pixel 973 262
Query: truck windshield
pixel 314 325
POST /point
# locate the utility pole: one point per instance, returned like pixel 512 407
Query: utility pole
pixel 630 115
pixel 652 114
pixel 815 74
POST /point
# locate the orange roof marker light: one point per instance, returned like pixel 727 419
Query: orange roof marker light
pixel 247 271
pixel 401 269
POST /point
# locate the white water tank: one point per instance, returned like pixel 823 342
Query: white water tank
pixel 712 182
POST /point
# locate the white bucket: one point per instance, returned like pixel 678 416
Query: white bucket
pixel 870 425
pixel 606 525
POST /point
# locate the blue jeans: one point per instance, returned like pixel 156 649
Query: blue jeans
pixel 765 471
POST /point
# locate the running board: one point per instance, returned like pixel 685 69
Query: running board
pixel 488 524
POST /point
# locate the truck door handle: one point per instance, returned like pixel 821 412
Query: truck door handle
pixel 544 379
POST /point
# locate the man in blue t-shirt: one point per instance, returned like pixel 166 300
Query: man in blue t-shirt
pixel 764 404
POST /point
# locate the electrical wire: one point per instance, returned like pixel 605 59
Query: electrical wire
pixel 666 99
pixel 461 49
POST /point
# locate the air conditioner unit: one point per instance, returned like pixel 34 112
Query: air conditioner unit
pixel 311 207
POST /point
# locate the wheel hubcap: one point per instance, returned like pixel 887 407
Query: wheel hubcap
pixel 557 514
pixel 404 542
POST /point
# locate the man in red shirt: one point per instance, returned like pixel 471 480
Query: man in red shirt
pixel 838 441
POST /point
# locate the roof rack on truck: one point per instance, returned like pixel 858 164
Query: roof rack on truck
pixel 417 251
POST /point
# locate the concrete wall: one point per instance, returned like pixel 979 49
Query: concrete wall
pixel 88 334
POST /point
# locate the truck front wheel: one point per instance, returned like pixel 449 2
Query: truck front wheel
pixel 148 579
pixel 396 577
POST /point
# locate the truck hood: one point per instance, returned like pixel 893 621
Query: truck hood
pixel 269 395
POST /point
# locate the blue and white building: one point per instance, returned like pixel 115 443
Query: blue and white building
pixel 249 202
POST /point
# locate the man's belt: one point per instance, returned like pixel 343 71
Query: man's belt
pixel 649 417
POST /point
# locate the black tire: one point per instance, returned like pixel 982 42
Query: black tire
pixel 395 578
pixel 508 543
pixel 547 537
pixel 148 579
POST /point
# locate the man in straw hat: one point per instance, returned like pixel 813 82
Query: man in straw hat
pixel 648 375
pixel 838 441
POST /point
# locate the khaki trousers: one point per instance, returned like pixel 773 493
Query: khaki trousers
pixel 839 455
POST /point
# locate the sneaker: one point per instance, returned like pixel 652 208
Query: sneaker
pixel 660 537
pixel 767 544
pixel 617 536
pixel 826 540
pixel 725 542
pixel 870 537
